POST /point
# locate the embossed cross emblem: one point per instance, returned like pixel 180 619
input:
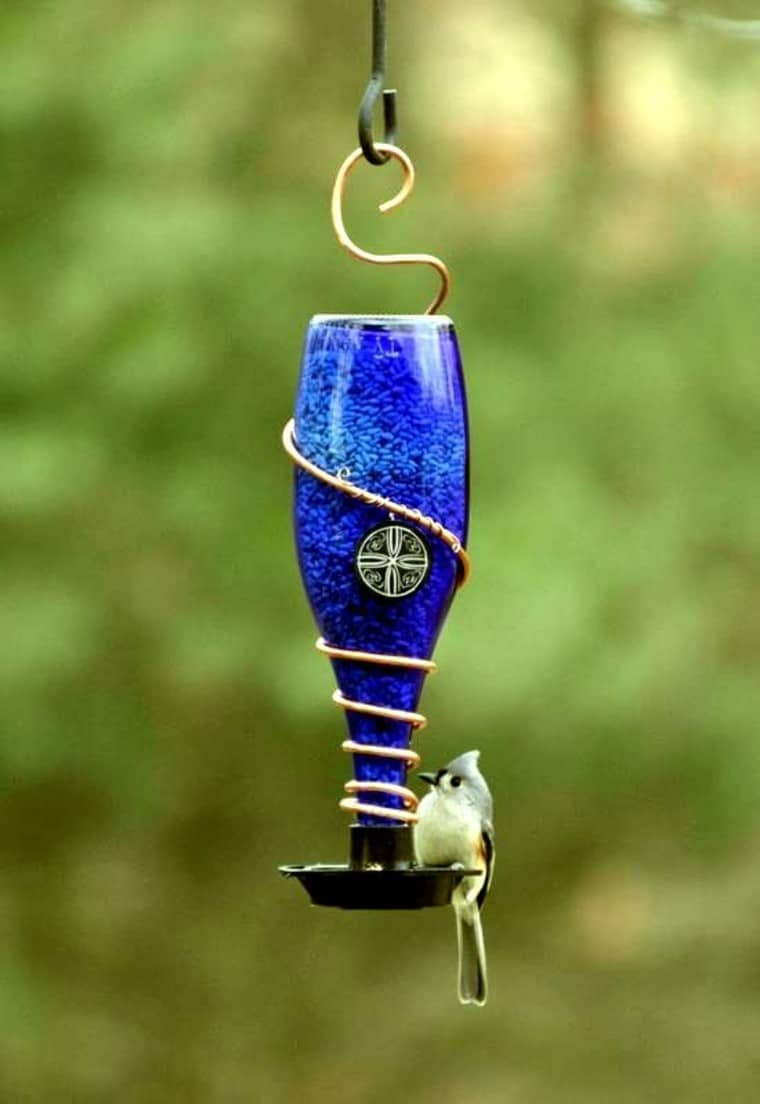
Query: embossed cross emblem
pixel 393 561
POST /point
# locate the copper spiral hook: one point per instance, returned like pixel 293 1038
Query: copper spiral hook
pixel 336 208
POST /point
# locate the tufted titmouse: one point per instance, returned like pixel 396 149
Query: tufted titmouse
pixel 456 827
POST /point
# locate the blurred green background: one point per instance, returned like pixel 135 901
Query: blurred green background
pixel 593 179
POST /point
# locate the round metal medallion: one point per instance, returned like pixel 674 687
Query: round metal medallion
pixel 393 561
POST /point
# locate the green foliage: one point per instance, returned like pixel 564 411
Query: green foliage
pixel 168 737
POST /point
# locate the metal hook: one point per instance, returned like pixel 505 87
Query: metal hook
pixel 367 107
pixel 336 208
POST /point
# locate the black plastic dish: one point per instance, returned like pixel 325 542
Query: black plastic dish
pixel 347 888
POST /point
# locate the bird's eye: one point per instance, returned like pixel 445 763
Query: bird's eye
pixel 456 781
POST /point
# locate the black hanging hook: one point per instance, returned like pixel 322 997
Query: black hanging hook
pixel 373 90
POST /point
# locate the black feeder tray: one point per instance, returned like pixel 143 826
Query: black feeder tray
pixel 381 874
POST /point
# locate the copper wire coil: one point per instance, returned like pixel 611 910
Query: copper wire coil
pixel 353 805
pixel 406 815
pixel 346 487
pixel 427 665
pixel 409 754
pixel 406 716
pixel 418 721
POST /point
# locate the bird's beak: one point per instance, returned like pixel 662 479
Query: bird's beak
pixel 427 777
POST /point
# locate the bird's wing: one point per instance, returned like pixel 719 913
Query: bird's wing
pixel 488 849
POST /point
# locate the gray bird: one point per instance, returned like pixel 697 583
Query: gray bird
pixel 456 829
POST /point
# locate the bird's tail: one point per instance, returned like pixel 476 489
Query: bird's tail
pixel 473 984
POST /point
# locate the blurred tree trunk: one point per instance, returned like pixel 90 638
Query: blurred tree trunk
pixel 581 26
pixel 587 41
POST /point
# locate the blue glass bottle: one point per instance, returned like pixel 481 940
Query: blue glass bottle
pixel 381 404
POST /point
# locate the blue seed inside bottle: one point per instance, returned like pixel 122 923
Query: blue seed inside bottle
pixel 381 402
